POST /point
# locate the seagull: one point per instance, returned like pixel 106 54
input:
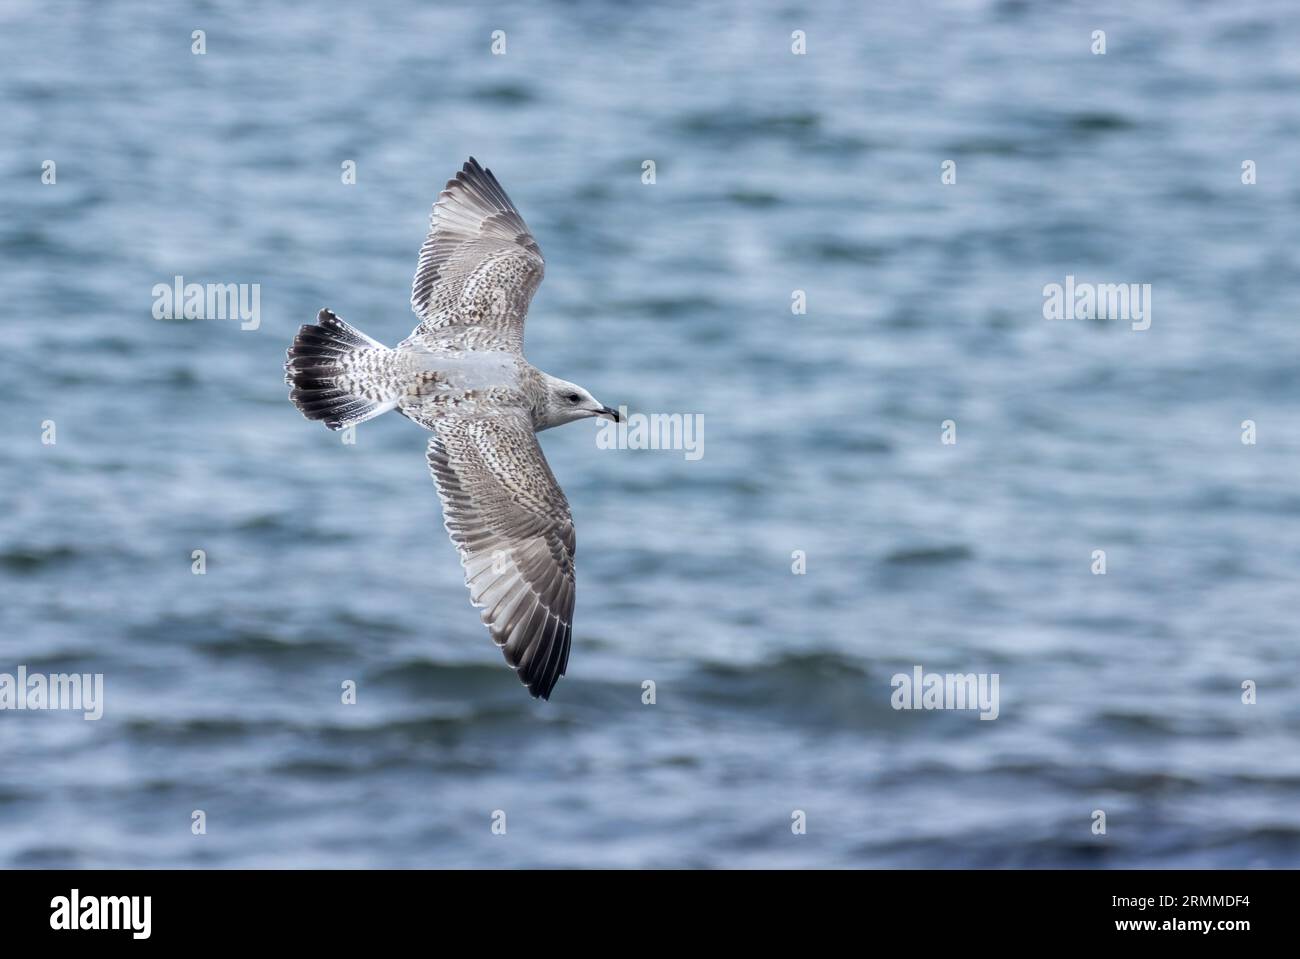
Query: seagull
pixel 462 375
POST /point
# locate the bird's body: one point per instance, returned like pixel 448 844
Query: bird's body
pixel 462 374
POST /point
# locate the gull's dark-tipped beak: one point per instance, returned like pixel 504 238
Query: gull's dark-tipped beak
pixel 608 412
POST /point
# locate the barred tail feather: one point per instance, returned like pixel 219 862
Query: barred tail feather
pixel 337 373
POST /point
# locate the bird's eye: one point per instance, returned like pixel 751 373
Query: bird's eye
pixel 573 397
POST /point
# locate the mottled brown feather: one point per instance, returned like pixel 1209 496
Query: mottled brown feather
pixel 510 521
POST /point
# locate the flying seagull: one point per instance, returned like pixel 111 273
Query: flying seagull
pixel 462 375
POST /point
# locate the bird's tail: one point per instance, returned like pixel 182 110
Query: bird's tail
pixel 339 374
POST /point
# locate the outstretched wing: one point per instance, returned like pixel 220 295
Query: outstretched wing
pixel 511 523
pixel 479 266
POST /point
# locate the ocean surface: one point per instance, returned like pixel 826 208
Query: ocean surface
pixel 775 173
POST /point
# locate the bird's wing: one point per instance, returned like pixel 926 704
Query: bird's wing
pixel 479 266
pixel 509 519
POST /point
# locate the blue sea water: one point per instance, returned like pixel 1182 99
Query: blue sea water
pixel 774 173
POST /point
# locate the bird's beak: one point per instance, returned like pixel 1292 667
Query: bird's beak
pixel 608 412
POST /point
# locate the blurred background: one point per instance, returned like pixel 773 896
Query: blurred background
pixel 774 173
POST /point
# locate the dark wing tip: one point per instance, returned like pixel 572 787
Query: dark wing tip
pixel 486 182
pixel 541 675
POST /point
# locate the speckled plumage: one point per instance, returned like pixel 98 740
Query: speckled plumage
pixel 462 374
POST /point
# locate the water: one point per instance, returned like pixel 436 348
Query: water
pixel 774 173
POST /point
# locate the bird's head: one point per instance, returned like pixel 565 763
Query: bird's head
pixel 566 402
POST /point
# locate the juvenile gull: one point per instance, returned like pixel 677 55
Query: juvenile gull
pixel 462 374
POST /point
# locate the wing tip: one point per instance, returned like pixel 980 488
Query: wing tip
pixel 543 677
